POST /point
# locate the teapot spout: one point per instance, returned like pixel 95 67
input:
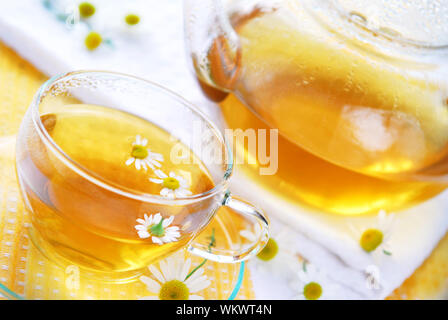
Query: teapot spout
pixel 212 46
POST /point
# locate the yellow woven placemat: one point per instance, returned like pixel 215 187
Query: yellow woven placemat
pixel 23 269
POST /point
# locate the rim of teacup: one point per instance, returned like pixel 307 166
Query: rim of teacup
pixel 220 187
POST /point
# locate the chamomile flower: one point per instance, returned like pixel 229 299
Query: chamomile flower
pixel 312 284
pixel 142 157
pixel 173 280
pixel 376 239
pixel 279 257
pixel 158 229
pixel 174 186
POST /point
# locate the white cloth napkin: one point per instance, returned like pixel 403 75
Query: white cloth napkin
pixel 155 50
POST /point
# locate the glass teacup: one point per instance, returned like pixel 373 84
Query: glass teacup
pixel 117 172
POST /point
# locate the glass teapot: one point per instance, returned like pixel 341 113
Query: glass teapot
pixel 361 85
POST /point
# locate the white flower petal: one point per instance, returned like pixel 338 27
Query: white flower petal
pixel 152 285
pixel 197 274
pixel 138 164
pixel 141 227
pixel 143 234
pixel 167 270
pixel 171 196
pixel 199 286
pixel 160 174
pixel 148 163
pixel 166 192
pixel 157 274
pixel 158 181
pixel 176 265
pixel 172 228
pixel 195 297
pixel 130 161
pixel 182 192
pixel 173 233
pixel 169 238
pixel 196 284
pixel 382 214
pixel 157 218
pixel 355 231
pixel 182 182
pixel 167 222
pixel 185 269
pixel 390 223
pixel 155 163
pixel 156 240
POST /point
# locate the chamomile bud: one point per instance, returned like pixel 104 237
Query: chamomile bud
pixel 93 40
pixel 132 19
pixel 86 9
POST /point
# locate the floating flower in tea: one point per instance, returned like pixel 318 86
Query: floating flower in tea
pixel 158 229
pixel 174 186
pixel 142 157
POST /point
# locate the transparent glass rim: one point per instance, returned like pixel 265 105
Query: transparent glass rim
pixel 219 187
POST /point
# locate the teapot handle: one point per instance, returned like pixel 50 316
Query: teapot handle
pixel 212 44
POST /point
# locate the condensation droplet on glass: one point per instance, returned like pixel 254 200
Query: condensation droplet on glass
pixel 357 17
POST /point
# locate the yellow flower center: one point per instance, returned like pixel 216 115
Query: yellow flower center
pixel 312 291
pixel 93 40
pixel 269 251
pixel 371 239
pixel 171 183
pixel 174 290
pixel 86 9
pixel 132 19
pixel 139 152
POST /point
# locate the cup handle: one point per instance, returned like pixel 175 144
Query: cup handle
pixel 258 224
